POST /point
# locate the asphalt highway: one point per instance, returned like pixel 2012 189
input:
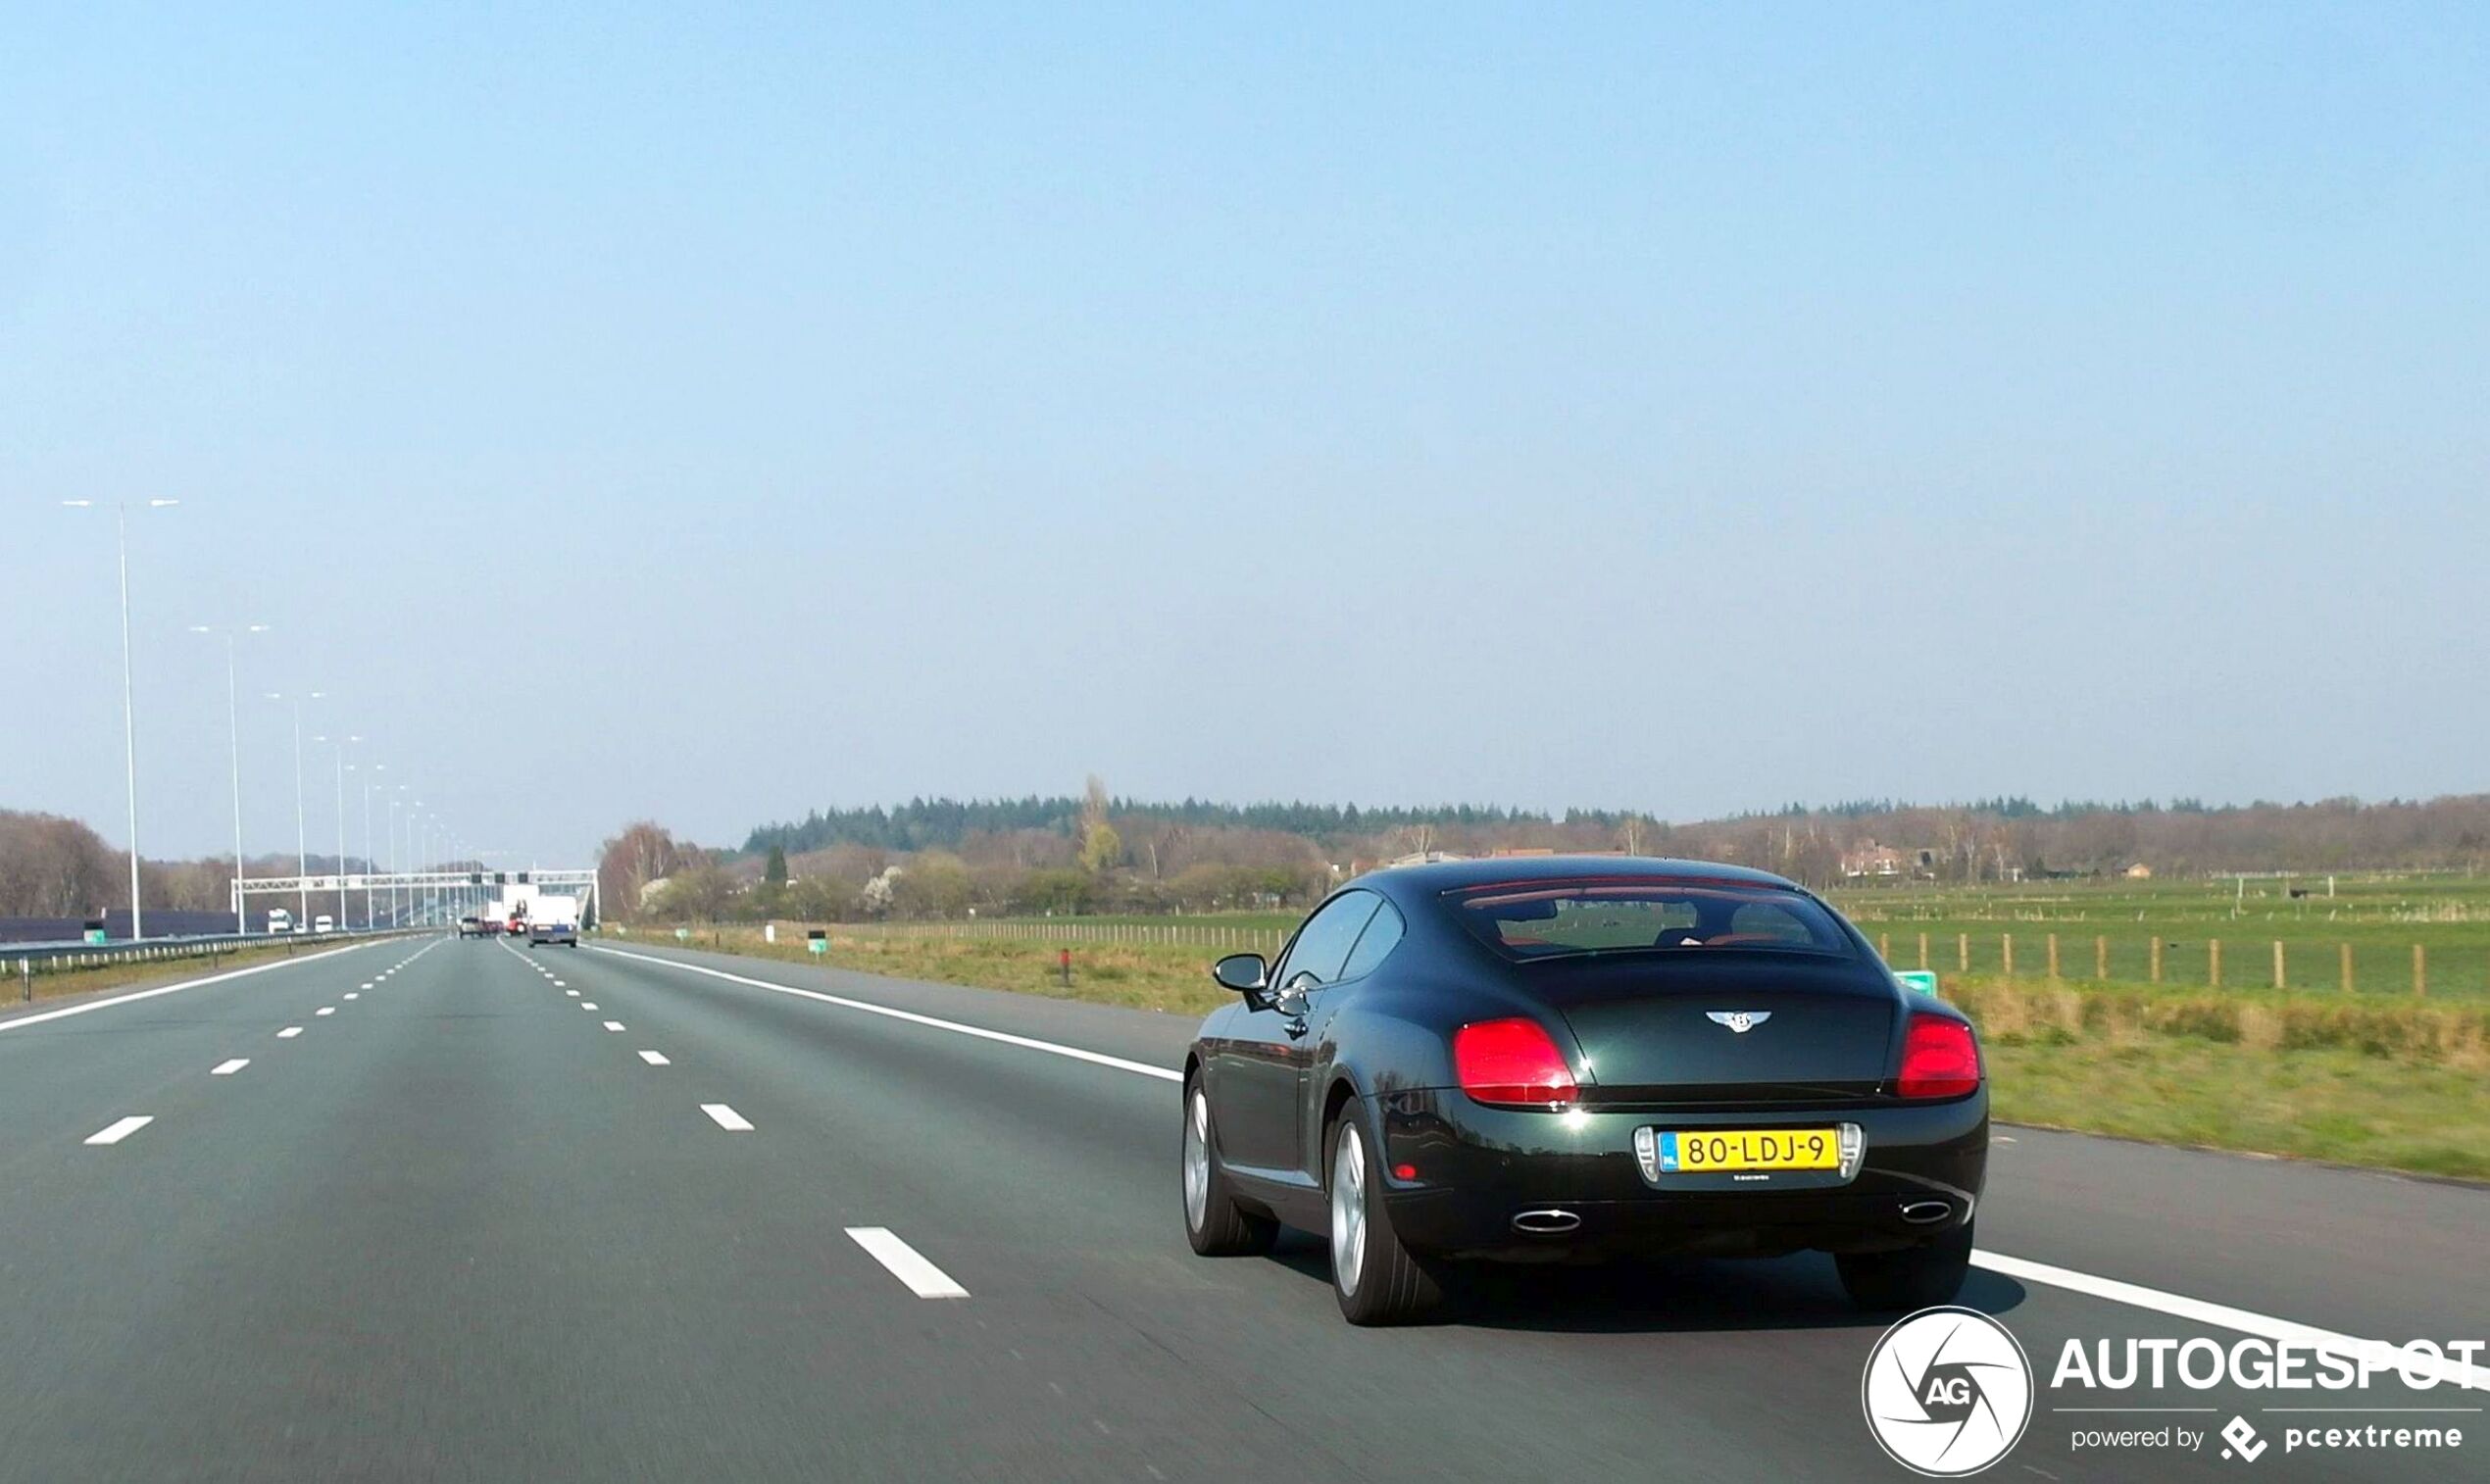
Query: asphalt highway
pixel 491 1212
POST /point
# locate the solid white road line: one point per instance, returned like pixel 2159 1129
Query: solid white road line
pixel 2449 1370
pixel 654 1057
pixel 2109 1289
pixel 228 1068
pixel 120 1129
pixel 614 1025
pixel 290 1033
pixel 726 1118
pixel 167 989
pixel 1099 1059
pixel 906 1263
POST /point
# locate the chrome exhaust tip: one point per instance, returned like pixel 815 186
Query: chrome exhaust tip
pixel 1546 1223
pixel 1926 1213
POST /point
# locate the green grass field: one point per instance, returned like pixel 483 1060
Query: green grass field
pixel 52 984
pixel 2378 1079
pixel 2379 918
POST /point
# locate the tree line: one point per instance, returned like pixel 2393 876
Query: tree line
pixel 944 858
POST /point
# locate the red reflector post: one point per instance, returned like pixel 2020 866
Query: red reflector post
pixel 1514 1063
pixel 1939 1059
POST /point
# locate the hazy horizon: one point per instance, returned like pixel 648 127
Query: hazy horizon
pixel 711 418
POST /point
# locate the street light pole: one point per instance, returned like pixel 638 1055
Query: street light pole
pixel 370 863
pixel 233 730
pixel 394 789
pixel 128 708
pixel 302 838
pixel 338 746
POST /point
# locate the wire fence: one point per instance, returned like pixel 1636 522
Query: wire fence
pixel 2210 962
pixel 2364 967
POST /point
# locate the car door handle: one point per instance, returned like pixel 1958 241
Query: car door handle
pixel 1296 1030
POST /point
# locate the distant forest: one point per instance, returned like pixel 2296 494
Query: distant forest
pixel 947 824
pixel 1983 839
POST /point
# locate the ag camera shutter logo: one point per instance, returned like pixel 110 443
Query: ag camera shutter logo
pixel 1947 1391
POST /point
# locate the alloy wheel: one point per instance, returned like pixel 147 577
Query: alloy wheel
pixel 1348 1209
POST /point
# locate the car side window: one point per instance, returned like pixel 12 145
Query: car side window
pixel 1322 945
pixel 1382 934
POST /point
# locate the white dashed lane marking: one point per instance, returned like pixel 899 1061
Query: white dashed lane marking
pixel 655 1058
pixel 290 1033
pixel 726 1118
pixel 326 1010
pixel 614 1025
pixel 228 1068
pixel 120 1129
pixel 350 995
pixel 587 1005
pixel 906 1263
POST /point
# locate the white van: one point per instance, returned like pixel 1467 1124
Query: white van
pixel 321 924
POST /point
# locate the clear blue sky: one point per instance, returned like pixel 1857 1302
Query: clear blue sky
pixel 711 411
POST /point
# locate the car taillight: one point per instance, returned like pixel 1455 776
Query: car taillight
pixel 1939 1059
pixel 1513 1062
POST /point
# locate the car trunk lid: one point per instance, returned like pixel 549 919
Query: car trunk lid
pixel 1728 1027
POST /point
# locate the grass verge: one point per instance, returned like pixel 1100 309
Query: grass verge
pixel 62 983
pixel 2389 1085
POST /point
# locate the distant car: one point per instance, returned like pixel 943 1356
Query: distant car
pixel 552 932
pixel 472 927
pixel 322 925
pixel 517 925
pixel 1570 1059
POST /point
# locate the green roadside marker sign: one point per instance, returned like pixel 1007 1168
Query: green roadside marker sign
pixel 817 946
pixel 1920 979
pixel 818 941
pixel 682 935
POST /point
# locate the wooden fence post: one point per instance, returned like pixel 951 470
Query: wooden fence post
pixel 2420 970
pixel 2213 961
pixel 2278 979
pixel 2101 958
pixel 1884 947
pixel 2053 956
pixel 1962 950
pixel 2156 957
pixel 2006 953
pixel 2347 968
pixel 1923 950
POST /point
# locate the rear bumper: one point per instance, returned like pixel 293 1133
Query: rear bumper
pixel 1575 1180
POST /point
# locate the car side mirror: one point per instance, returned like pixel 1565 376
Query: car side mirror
pixel 1245 973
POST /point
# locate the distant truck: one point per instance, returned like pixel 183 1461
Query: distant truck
pixel 553 920
pixel 280 920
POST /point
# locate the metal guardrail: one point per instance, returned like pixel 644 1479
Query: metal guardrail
pixel 24 961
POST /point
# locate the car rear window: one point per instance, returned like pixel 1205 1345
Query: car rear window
pixel 1536 919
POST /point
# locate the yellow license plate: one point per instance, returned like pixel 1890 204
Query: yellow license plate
pixel 1695 1151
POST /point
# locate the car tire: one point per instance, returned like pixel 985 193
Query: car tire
pixel 1378 1280
pixel 1216 1225
pixel 1915 1277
